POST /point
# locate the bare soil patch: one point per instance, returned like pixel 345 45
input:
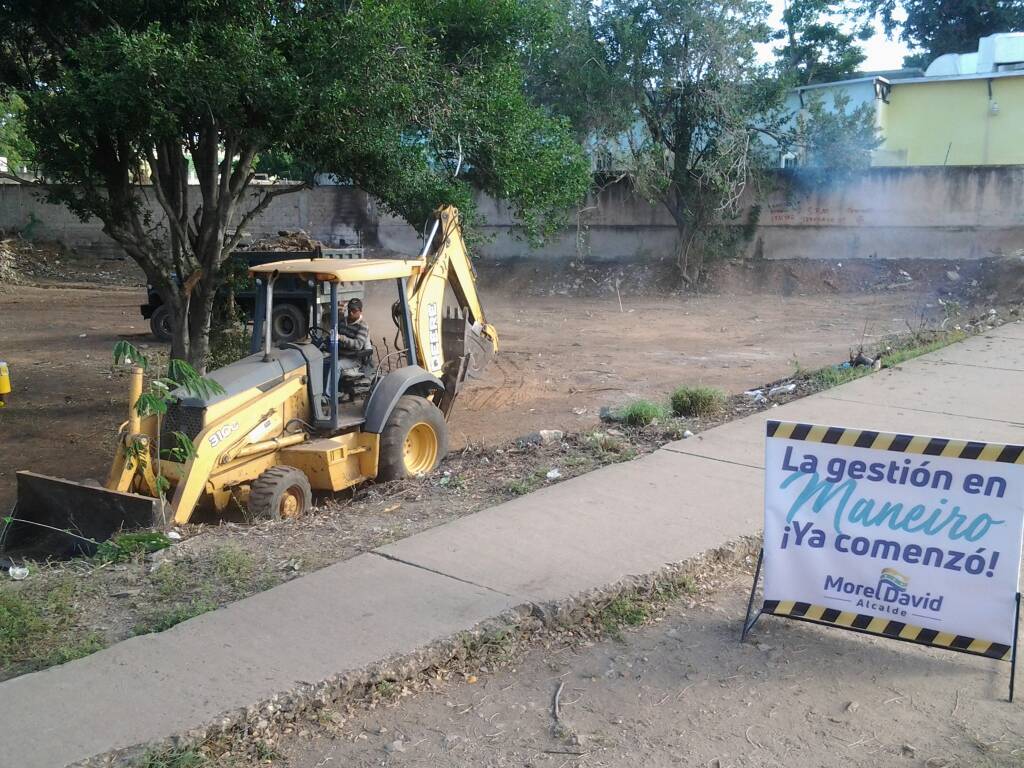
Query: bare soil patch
pixel 682 690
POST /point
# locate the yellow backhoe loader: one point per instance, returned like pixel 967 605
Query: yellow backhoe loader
pixel 291 419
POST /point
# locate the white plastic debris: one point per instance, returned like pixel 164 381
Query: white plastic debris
pixel 554 474
pixel 18 572
pixel 782 389
pixel 687 434
pixel 756 395
pixel 174 535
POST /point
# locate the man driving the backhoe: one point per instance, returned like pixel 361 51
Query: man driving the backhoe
pixel 353 334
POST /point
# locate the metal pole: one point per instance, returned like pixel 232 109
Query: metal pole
pixel 410 343
pixel 266 319
pixel 1013 651
pixel 258 317
pixel 430 238
pixel 747 623
pixel 334 355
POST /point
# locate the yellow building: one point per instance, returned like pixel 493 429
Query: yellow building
pixel 961 119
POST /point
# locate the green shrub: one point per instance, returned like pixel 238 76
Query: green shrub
pixel 129 545
pixel 698 401
pixel 640 413
pixel 227 345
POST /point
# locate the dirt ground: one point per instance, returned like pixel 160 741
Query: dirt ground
pixel 562 358
pixel 683 691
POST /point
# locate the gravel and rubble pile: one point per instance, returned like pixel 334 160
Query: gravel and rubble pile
pixel 286 240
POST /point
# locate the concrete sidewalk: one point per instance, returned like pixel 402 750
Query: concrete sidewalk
pixel 584 533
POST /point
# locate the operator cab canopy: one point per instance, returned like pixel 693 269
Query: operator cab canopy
pixel 341 270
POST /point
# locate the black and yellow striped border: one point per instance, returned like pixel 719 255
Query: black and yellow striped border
pixel 894 630
pixel 893 441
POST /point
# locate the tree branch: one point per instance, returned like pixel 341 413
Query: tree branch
pixel 172 214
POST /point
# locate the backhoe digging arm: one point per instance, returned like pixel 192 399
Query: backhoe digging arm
pixel 449 265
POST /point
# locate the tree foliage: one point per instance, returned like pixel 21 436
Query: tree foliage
pixel 124 97
pixel 818 44
pixel 15 144
pixel 685 76
pixel 836 139
pixel 935 27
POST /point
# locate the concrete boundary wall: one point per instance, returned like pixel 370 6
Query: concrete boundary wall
pixel 940 213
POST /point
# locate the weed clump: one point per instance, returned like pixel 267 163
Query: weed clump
pixel 698 401
pixel 641 413
pixel 165 618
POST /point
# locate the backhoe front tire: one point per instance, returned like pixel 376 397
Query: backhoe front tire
pixel 414 440
pixel 280 493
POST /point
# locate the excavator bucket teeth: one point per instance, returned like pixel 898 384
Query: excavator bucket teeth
pixel 61 518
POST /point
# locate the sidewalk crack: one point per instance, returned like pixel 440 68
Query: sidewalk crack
pixel 434 570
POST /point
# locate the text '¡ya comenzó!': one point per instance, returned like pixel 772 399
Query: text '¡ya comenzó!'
pixel 835 494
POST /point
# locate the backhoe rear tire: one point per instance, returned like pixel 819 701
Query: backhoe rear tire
pixel 288 323
pixel 280 493
pixel 160 324
pixel 414 440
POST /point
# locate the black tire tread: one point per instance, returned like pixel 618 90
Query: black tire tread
pixel 264 494
pixel 410 409
pixel 297 316
pixel 154 324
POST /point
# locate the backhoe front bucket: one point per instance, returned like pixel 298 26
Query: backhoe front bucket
pixel 61 518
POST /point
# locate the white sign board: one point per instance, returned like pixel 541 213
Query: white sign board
pixel 915 538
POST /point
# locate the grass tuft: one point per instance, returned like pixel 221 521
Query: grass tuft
pixel 698 401
pixel 827 378
pixel 173 758
pixel 521 487
pixel 234 566
pixel 623 611
pixel 166 617
pixel 897 356
pixel 641 413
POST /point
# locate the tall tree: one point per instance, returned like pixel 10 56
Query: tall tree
pixel 819 43
pixel 124 97
pixel 688 70
pixel 935 27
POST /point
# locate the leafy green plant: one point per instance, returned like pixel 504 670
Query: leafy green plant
pixel 227 345
pixel 155 400
pixel 640 413
pixel 697 401
pixel 128 546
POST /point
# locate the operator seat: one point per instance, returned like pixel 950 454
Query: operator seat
pixel 353 369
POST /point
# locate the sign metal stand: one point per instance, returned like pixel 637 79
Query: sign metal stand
pixel 752 615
